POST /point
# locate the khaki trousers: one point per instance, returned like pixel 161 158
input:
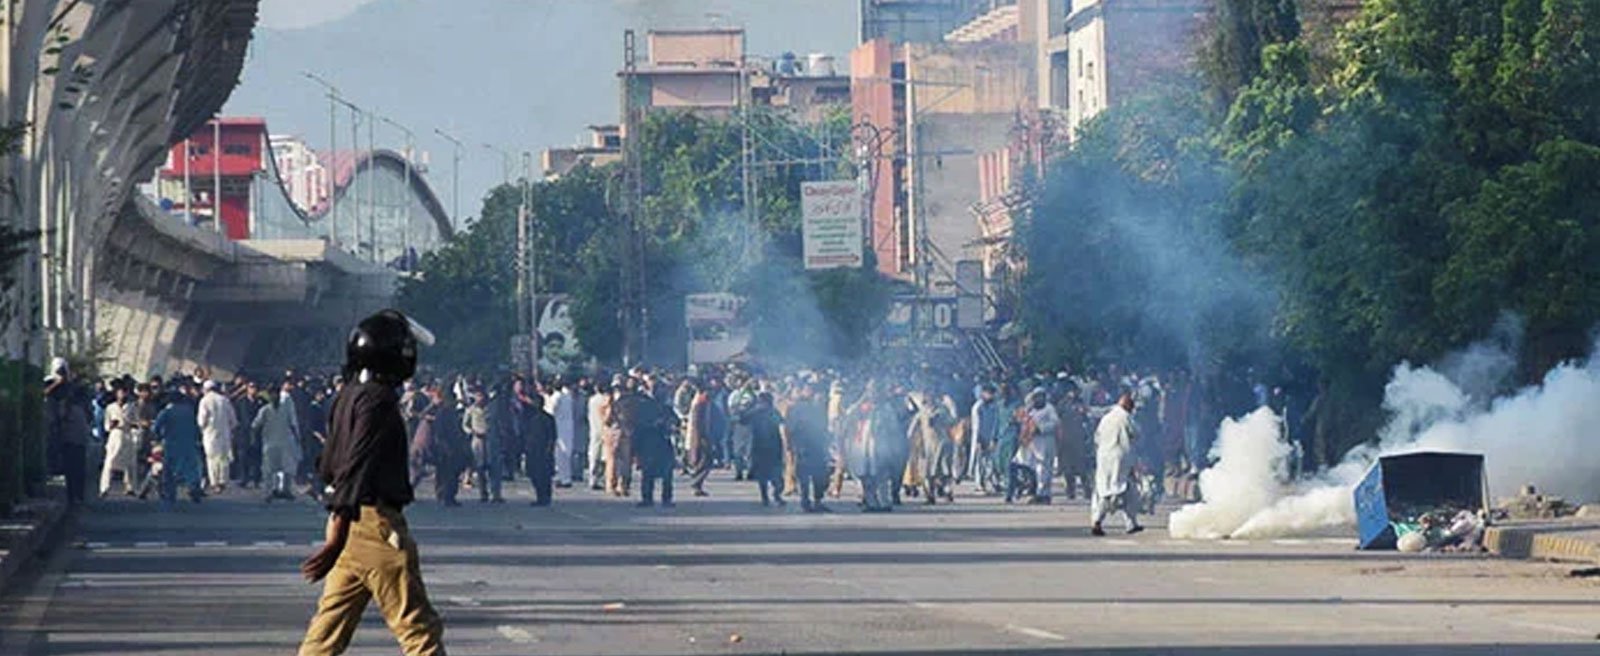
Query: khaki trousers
pixel 619 465
pixel 379 562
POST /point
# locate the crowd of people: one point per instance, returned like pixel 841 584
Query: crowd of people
pixel 1123 439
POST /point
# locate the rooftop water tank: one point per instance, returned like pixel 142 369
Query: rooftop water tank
pixel 820 65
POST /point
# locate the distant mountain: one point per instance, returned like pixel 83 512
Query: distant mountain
pixel 520 74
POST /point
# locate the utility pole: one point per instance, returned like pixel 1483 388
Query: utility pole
pixel 372 188
pixel 632 193
pixel 333 148
pixel 527 270
pixel 455 178
pixel 505 161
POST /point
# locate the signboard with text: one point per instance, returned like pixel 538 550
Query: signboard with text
pixel 831 216
pixel 719 331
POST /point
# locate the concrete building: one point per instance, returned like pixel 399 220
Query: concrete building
pixel 604 146
pixel 304 178
pixel 935 108
pixel 1119 48
pixel 918 21
pixel 700 69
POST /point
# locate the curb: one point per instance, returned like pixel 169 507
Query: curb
pixel 1534 543
pixel 32 525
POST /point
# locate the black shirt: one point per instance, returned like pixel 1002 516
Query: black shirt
pixel 365 459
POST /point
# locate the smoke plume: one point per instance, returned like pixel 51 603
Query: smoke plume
pixel 1538 434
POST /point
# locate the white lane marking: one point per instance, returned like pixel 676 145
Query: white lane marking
pixel 1121 543
pixel 924 605
pixel 96 545
pixel 270 543
pixel 465 601
pixel 149 545
pixel 1557 628
pixel 1343 542
pixel 1289 542
pixel 515 634
pixel 1177 542
pixel 210 544
pixel 1234 543
pixel 1035 633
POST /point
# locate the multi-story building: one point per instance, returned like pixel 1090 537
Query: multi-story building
pixel 304 177
pixel 918 21
pixel 935 108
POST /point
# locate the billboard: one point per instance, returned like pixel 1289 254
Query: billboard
pixel 558 340
pixel 921 322
pixel 830 213
pixel 719 331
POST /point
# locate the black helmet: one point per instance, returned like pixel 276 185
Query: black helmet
pixel 384 344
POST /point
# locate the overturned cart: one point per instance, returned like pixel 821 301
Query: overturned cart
pixel 1440 499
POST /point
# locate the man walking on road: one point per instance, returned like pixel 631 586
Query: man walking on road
pixel 1113 477
pixel 217 424
pixel 369 553
pixel 559 405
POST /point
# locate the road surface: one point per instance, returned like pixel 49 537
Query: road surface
pixel 594 575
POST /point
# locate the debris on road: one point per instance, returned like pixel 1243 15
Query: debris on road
pixel 613 607
pixel 1529 504
pixel 735 639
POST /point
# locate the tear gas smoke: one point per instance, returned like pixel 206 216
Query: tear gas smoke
pixel 1537 435
pixel 1251 458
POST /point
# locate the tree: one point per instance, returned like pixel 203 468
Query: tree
pixel 697 236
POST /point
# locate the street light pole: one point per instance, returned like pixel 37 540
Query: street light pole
pixel 333 147
pixel 455 178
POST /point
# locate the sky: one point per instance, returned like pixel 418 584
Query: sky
pixel 521 75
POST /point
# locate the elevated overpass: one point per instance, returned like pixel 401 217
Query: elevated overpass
pixel 106 87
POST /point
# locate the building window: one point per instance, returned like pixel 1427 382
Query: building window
pixel 1091 70
pixel 235 149
pixel 1080 62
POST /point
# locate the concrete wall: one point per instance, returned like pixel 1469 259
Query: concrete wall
pixel 696 90
pixel 697 48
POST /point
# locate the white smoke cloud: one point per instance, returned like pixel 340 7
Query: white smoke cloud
pixel 1251 457
pixel 1540 434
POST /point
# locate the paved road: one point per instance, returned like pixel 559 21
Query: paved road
pixel 594 575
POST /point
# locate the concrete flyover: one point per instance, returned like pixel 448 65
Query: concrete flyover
pixel 174 297
pixel 106 88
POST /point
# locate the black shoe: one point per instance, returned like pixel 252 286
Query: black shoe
pixel 540 503
pixel 1097 532
pixel 702 493
pixel 645 504
pixel 668 504
pixel 497 500
pixel 1135 530
pixel 779 501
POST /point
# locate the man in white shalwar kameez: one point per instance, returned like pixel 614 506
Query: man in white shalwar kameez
pixel 559 405
pixel 217 424
pixel 1114 460
pixel 1040 452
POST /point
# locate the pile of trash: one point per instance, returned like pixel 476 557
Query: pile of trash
pixel 1529 504
pixel 1440 530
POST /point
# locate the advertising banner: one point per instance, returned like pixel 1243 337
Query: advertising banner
pixel 831 223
